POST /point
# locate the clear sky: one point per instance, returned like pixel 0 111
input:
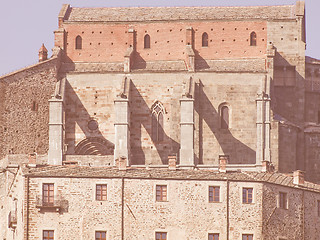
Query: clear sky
pixel 26 24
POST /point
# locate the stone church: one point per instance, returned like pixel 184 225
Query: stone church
pixel 164 123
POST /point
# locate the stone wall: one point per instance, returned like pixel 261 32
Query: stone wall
pixel 25 109
pixel 142 214
pixel 91 96
pixel 301 212
pixel 134 201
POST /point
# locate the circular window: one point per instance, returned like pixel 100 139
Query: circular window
pixel 93 125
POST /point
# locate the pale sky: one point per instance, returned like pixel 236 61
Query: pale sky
pixel 26 24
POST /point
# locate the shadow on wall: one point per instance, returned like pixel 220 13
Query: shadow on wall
pixel 141 118
pixel 286 91
pixel 94 142
pixel 238 152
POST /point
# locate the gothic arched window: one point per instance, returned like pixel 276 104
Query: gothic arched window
pixel 147 41
pixel 205 39
pixel 157 133
pixel 253 39
pixel 78 42
pixel 224 117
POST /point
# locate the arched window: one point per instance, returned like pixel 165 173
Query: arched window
pixel 224 117
pixel 205 39
pixel 78 42
pixel 253 39
pixel 157 122
pixel 147 41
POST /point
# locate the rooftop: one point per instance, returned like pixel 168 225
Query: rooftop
pixel 137 14
pixel 74 171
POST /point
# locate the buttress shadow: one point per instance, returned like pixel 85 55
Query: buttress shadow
pixel 141 118
pixel 94 142
pixel 228 143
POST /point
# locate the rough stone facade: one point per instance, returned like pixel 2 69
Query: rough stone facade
pixel 201 90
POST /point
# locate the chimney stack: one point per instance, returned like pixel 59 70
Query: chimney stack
pixel 172 161
pixel 122 163
pixel 298 177
pixel 265 166
pixel 43 53
pixel 223 160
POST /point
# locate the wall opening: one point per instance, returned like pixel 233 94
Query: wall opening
pixel 78 42
pixel 147 41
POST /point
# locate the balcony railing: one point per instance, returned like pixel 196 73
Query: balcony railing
pixel 12 219
pixel 55 203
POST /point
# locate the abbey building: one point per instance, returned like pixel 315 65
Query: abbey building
pixel 164 123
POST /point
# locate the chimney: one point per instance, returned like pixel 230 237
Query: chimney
pixel 265 166
pixel 172 161
pixel 32 158
pixel 43 53
pixel 122 163
pixel 223 160
pixel 298 177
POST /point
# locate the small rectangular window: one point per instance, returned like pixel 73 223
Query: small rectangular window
pixel 318 208
pixel 101 192
pixel 247 236
pixel 48 194
pixel 161 236
pixel 161 193
pixel 214 194
pixel 247 195
pixel 213 236
pixel 48 235
pixel 101 235
pixel 283 200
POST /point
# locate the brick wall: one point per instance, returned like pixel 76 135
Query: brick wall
pixel 109 42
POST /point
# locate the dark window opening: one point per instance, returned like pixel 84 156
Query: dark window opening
pixel 204 39
pixel 48 235
pixel 34 106
pixel 101 192
pixel 147 41
pixel 224 117
pixel 247 236
pixel 101 235
pixel 161 236
pixel 157 132
pixel 214 194
pixel 247 195
pixel 283 200
pixel 253 39
pixel 213 236
pixel 78 42
pixel 48 194
pixel 161 193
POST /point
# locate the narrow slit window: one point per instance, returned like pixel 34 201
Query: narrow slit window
pixel 205 39
pixel 147 41
pixel 78 42
pixel 224 117
pixel 253 39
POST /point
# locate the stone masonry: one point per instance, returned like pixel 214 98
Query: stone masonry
pixel 181 97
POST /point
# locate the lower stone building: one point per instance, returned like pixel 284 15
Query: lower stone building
pixel 74 202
